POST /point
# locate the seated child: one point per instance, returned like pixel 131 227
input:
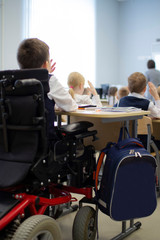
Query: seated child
pixel 137 83
pixel 122 92
pixel 76 88
pixel 34 53
pixel 112 94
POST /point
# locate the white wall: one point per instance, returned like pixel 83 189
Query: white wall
pixel 125 31
pixel 106 36
pixel 11 31
pixel 106 41
pixel 139 24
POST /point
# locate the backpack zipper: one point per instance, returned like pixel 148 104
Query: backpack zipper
pixel 137 154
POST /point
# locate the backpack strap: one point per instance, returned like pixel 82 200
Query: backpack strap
pixel 99 164
pixel 122 131
pixel 100 161
pixel 122 143
pixel 129 142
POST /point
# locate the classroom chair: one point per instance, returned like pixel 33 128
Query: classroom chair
pixel 145 128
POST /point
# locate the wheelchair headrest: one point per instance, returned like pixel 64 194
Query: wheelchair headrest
pixel 11 81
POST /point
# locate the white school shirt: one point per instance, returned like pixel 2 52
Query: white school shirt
pixel 85 99
pixel 153 108
pixel 62 98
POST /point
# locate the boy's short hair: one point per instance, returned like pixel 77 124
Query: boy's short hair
pixel 151 64
pixel 32 53
pixel 122 92
pixel 137 82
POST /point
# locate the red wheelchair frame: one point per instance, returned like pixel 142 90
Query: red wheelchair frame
pixel 61 195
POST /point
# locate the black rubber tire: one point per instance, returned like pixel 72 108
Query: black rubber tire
pixel 138 225
pixel 38 225
pixel 84 226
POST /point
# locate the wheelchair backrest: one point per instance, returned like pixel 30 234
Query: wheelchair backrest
pixel 22 123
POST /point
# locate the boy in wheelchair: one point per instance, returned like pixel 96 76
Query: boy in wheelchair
pixel 34 53
pixel 34 160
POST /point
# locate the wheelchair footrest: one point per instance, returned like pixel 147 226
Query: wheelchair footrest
pixel 7 202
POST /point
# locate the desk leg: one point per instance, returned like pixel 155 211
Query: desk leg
pixel 68 119
pixel 134 128
pixel 59 120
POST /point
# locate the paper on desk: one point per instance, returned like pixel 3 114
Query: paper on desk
pixel 120 109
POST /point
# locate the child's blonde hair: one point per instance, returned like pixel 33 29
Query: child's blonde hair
pixel 137 82
pixel 74 80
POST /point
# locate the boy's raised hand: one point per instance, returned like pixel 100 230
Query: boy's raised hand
pixel 91 88
pixel 153 91
pixel 52 68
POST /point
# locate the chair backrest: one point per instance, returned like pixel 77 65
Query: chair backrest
pixel 22 123
pixel 145 129
pixel 143 125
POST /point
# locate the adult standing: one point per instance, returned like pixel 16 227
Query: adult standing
pixel 152 75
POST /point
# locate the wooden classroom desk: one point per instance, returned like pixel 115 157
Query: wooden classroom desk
pixel 107 124
pixel 156 128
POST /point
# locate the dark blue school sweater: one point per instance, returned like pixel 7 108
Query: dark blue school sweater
pixel 131 101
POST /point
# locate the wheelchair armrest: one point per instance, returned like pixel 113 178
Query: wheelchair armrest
pixel 75 128
pixel 88 134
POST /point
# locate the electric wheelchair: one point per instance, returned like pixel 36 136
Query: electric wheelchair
pixel 36 176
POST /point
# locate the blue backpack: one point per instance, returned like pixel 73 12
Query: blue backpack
pixel 128 185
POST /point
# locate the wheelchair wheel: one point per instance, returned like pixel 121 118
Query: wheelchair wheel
pixel 39 227
pixel 84 226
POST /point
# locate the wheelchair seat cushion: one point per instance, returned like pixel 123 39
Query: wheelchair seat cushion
pixel 12 173
pixel 75 128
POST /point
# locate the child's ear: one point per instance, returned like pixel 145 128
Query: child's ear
pixel 80 85
pixel 145 88
pixel 45 65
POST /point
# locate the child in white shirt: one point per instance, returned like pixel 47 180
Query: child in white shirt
pixel 34 53
pixel 76 88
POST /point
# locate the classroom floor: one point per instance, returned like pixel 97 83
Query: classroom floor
pixel 150 229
